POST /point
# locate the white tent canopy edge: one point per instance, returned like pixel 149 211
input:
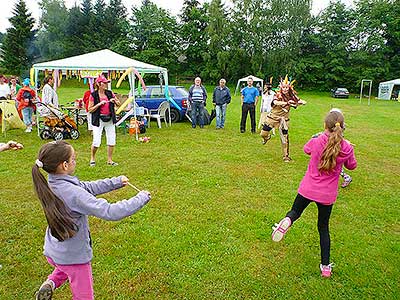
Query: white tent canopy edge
pixel 386 89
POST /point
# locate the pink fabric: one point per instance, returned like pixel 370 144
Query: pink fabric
pixel 104 109
pixel 323 187
pixel 79 276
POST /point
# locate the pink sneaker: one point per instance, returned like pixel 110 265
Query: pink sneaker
pixel 326 271
pixel 280 229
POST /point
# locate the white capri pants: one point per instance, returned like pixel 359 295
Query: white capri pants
pixel 89 121
pixel 109 127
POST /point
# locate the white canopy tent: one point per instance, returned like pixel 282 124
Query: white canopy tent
pixel 255 80
pixel 104 61
pixel 386 89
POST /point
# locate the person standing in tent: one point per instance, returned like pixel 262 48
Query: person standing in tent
pixel 49 95
pixel 102 106
pixel 4 88
pixel 197 98
pixel 221 99
pixel 25 98
pixel 14 88
pixel 249 102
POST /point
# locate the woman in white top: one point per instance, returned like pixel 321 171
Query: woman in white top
pixel 267 97
pixel 4 88
pixel 49 95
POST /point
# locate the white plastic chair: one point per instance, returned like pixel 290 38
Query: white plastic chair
pixel 161 113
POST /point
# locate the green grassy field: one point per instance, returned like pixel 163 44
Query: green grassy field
pixel 216 194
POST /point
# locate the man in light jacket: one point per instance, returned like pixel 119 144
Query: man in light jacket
pixel 197 98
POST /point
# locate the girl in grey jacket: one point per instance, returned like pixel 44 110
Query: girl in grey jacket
pixel 67 203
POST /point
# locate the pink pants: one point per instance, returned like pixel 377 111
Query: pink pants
pixel 79 276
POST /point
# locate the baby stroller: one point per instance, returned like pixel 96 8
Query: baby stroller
pixel 56 124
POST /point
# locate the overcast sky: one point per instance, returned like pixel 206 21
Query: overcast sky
pixel 174 6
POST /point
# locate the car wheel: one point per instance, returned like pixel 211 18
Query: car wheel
pixel 74 134
pixel 58 136
pixel 45 134
pixel 175 116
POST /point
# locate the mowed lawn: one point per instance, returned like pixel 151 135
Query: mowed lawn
pixel 215 195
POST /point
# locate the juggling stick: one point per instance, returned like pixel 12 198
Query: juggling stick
pixel 132 186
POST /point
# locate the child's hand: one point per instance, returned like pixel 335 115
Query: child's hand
pixel 124 180
pixel 14 145
pixel 146 192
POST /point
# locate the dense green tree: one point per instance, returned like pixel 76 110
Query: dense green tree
pixel 17 47
pixel 153 36
pixel 375 51
pixel 324 54
pixel 98 26
pixel 217 57
pixel 75 38
pixel 117 27
pixel 193 38
pixel 51 34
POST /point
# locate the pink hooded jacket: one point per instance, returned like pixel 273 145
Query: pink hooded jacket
pixel 319 186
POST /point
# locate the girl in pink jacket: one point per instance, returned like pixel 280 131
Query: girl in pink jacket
pixel 329 153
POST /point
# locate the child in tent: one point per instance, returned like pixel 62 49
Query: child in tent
pixel 67 202
pixel 329 152
pixel 25 97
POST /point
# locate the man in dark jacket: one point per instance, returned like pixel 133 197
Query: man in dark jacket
pixel 221 99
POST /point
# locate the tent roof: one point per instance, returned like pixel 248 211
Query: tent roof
pixel 394 81
pixel 99 60
pixel 254 78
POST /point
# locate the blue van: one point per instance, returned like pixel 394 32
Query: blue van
pixel 154 95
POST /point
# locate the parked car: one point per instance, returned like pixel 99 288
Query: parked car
pixel 340 93
pixel 154 95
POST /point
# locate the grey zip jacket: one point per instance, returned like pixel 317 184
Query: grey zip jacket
pixel 80 198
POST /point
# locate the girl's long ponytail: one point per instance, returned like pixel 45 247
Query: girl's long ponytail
pixel 334 122
pixel 58 216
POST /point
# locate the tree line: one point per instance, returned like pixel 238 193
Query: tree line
pixel 338 47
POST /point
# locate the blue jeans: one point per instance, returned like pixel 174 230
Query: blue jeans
pixel 27 113
pixel 197 108
pixel 220 115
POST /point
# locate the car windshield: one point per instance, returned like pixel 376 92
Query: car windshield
pixel 182 91
pixel 342 90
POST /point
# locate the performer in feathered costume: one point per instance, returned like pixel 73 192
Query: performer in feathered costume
pixel 278 117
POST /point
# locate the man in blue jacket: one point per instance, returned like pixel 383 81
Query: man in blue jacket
pixel 249 102
pixel 221 99
pixel 197 98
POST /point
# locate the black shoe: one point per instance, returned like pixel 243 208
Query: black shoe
pixel 242 130
pixel 193 126
pixel 201 126
pixel 253 131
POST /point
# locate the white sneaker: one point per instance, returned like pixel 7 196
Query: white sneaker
pixel 28 129
pixel 280 229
